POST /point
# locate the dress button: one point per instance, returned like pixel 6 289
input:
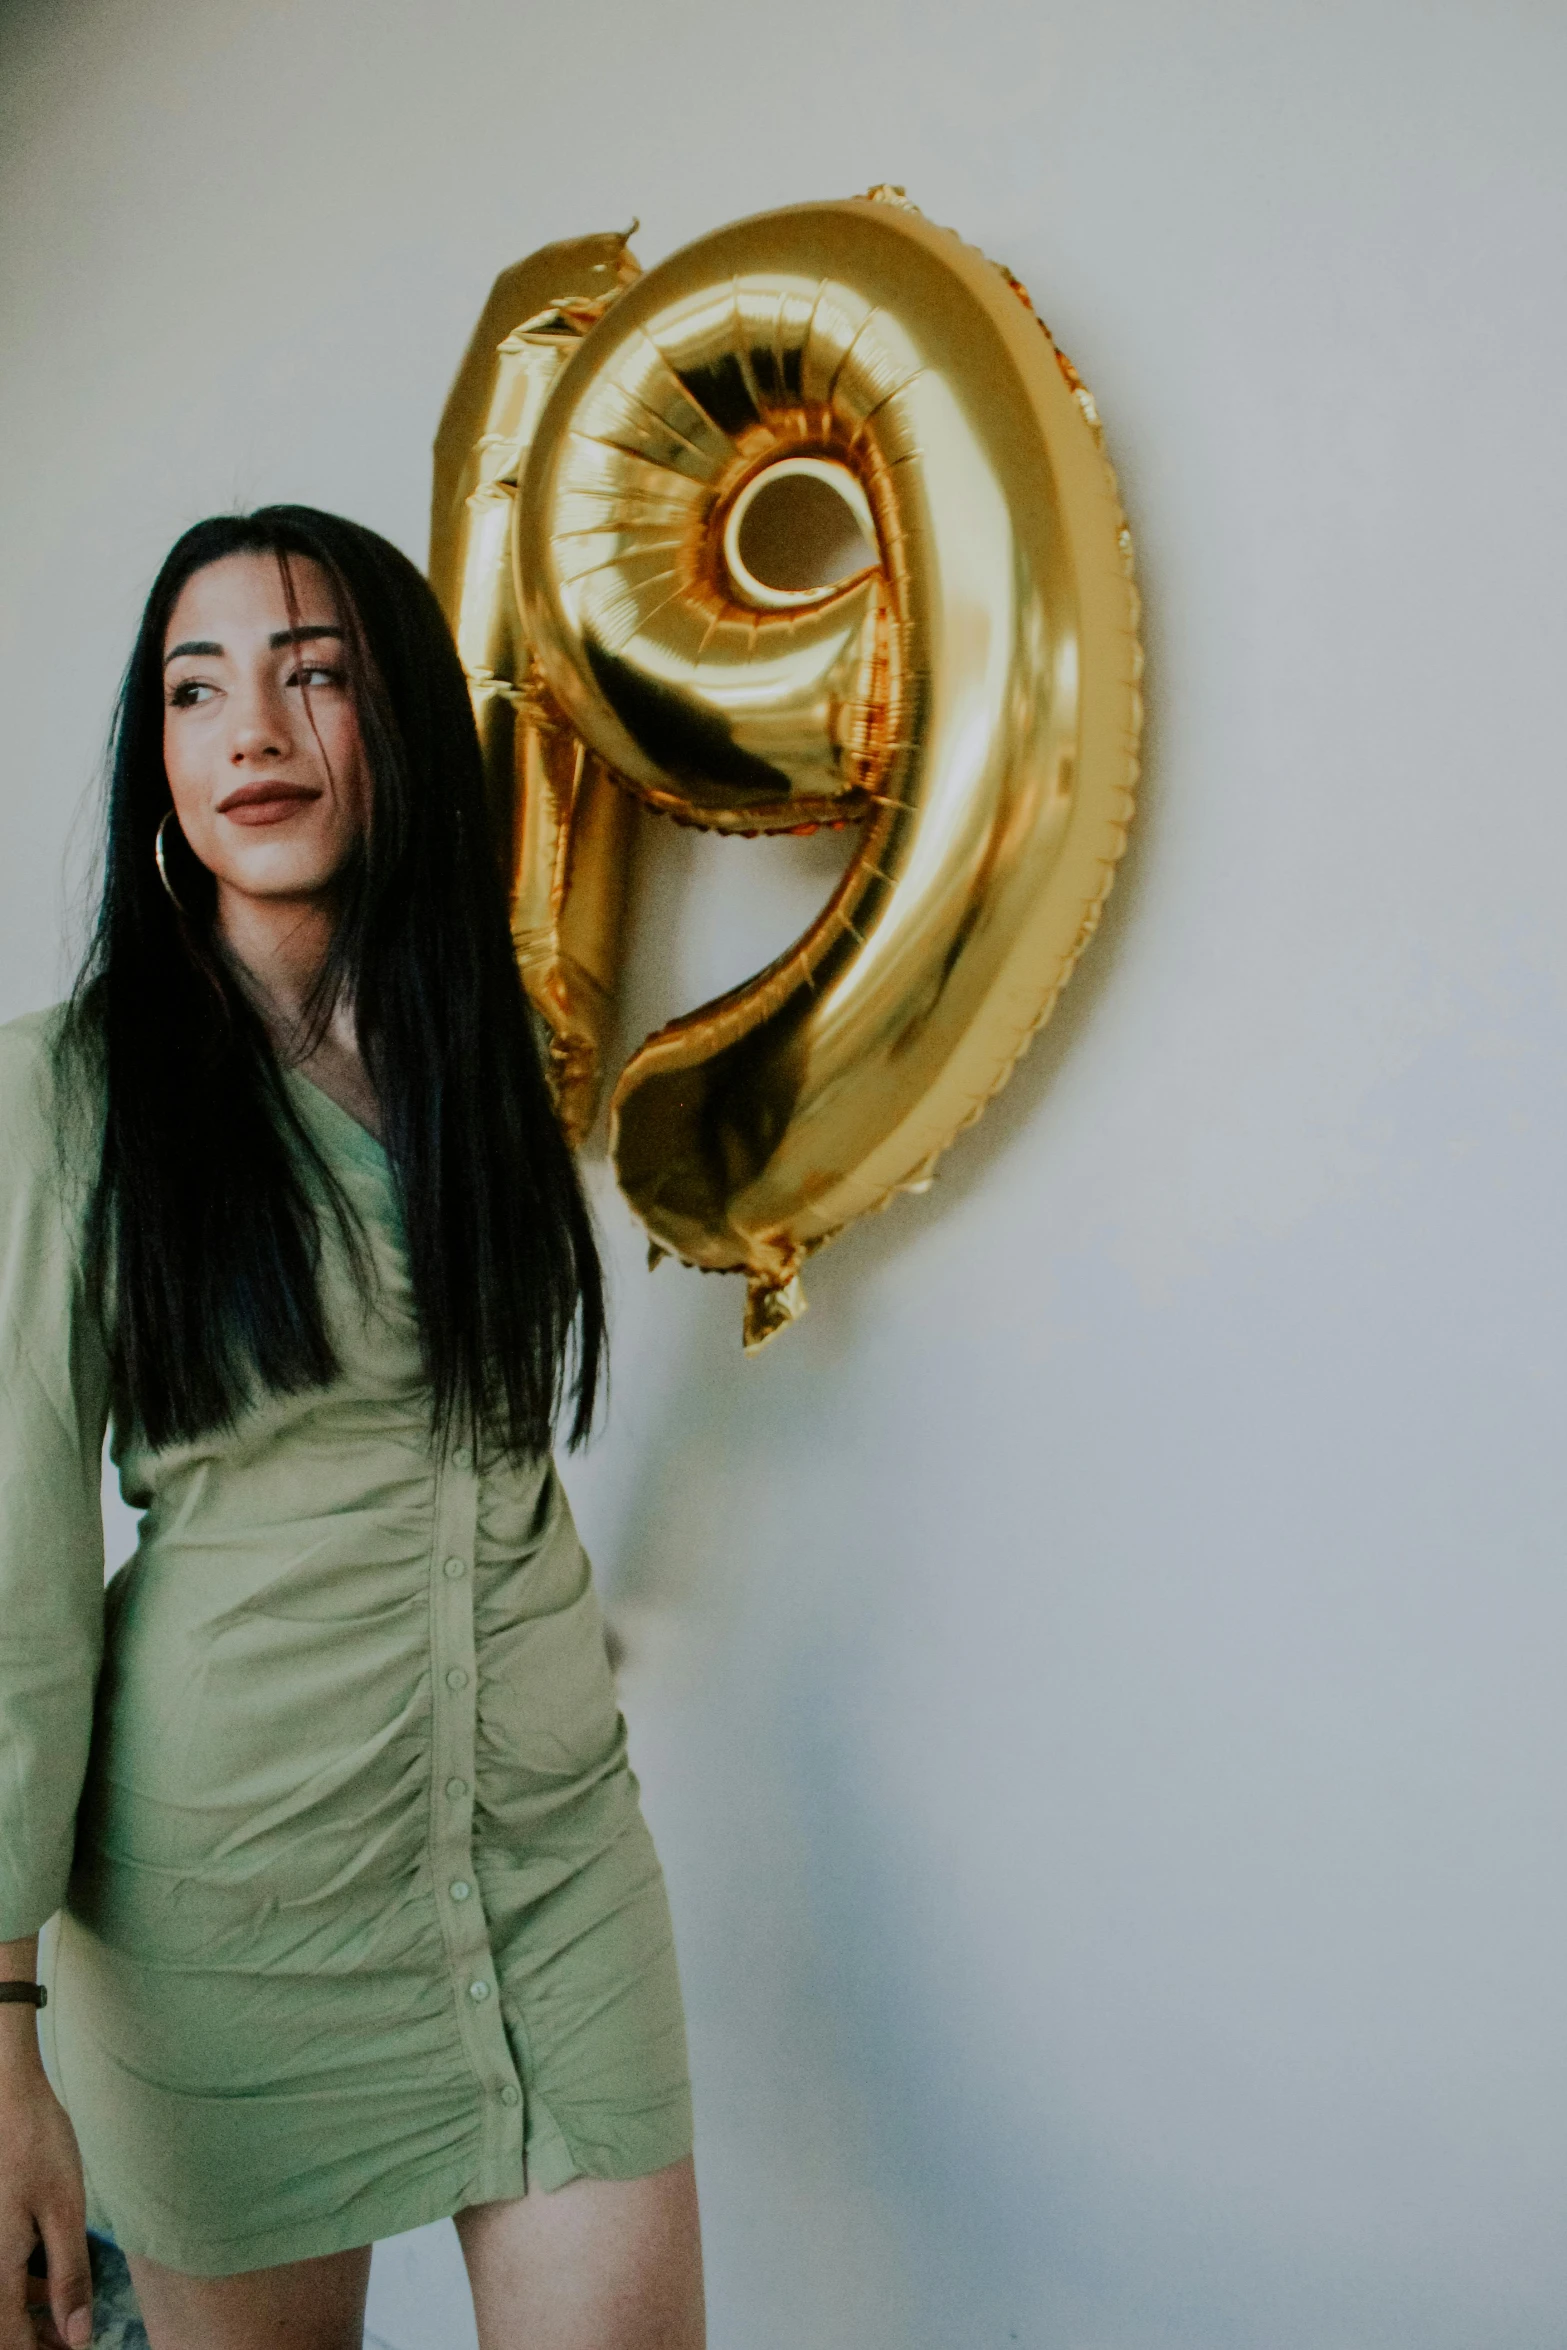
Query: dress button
pixel 511 2094
pixel 461 1890
pixel 456 1567
pixel 478 1990
pixel 461 1457
pixel 456 1789
pixel 457 1678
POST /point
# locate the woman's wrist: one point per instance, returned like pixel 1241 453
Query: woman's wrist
pixel 21 2066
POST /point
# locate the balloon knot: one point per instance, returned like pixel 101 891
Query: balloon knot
pixel 770 1306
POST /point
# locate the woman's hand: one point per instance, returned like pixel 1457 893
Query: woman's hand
pixel 41 2197
pixel 41 2194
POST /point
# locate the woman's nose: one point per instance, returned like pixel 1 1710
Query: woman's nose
pixel 259 731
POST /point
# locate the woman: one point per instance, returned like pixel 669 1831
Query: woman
pixel 359 1921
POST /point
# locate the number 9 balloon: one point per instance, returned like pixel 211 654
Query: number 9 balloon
pixel 969 697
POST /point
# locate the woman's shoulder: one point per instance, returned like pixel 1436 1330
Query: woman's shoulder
pixel 47 1086
pixel 33 1032
pixel 30 1055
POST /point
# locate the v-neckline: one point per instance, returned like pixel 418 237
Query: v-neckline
pixel 357 1140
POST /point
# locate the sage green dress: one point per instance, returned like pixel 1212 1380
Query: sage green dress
pixel 359 1922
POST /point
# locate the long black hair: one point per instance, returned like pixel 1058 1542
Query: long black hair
pixel 204 1233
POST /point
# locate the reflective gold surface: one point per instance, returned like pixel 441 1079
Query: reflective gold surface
pixel 971 700
pixel 564 832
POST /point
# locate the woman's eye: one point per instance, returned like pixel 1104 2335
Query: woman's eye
pixel 188 692
pixel 316 675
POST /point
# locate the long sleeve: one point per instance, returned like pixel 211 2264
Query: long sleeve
pixel 54 1386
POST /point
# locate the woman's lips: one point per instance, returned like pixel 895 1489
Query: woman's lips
pixel 266 803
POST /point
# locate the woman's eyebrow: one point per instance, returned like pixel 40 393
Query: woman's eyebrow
pixel 300 636
pixel 210 650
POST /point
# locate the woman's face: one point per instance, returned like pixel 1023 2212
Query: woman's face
pixel 260 728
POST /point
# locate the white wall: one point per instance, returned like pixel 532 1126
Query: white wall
pixel 1099 1682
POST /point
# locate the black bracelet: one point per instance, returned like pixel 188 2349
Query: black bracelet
pixel 24 1994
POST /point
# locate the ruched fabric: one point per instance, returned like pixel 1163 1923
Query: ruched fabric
pixel 362 1923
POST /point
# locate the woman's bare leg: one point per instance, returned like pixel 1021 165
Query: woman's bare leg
pixel 602 2264
pixel 305 2305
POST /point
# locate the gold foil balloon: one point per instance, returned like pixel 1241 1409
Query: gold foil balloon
pixel 563 831
pixel 968 696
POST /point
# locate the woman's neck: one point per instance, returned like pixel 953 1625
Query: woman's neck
pixel 278 949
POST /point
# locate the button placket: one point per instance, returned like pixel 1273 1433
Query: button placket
pixel 464 1926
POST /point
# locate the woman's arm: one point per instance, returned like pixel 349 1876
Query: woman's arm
pixel 53 1403
pixel 54 1390
pixel 41 2197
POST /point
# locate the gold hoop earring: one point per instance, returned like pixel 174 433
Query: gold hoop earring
pixel 162 864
